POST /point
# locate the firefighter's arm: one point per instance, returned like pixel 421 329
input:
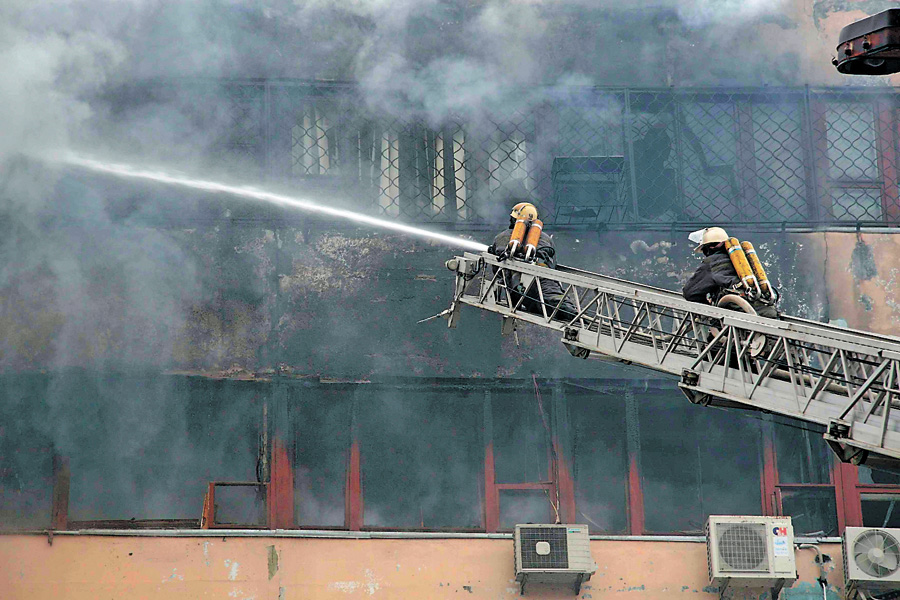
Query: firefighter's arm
pixel 700 285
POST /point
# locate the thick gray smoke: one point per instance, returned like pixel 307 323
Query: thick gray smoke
pixel 126 78
pixel 84 282
pixel 437 56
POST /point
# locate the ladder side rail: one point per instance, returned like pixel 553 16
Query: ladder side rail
pixel 729 318
pixel 618 325
pixel 810 373
pixel 636 291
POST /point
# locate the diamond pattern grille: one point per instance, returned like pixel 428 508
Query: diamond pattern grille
pixel 559 551
pixel 586 157
pixel 742 547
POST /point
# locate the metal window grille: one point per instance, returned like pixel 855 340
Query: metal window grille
pixel 558 558
pixel 742 547
pixel 587 157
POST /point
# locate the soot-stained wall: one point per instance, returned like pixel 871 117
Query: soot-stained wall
pixel 233 295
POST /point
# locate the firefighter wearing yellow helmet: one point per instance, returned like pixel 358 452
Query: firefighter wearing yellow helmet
pixel 525 239
pixel 524 210
pixel 717 273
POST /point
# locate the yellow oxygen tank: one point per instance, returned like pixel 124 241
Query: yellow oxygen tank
pixel 739 260
pixel 517 236
pixel 532 238
pixel 757 267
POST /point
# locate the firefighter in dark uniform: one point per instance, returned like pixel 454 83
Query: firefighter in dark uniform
pixel 545 256
pixel 717 274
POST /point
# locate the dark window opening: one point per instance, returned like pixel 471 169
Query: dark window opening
pixel 321 421
pixel 145 448
pixel 422 458
pixel 26 454
pixel 696 462
pixel 804 489
pixel 525 506
pixel 521 440
pixel 600 459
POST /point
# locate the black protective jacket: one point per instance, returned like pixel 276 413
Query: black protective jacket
pixel 715 274
pixel 551 290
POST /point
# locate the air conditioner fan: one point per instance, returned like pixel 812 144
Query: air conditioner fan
pixel 877 553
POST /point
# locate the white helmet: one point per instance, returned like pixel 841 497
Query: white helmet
pixel 709 235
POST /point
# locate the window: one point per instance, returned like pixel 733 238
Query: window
pixel 321 422
pixel 26 452
pixel 422 457
pixel 599 457
pixel 778 161
pixel 695 462
pixel 804 489
pixel 472 456
pixel 145 448
pixel 879 497
pixel 854 173
pixel 521 432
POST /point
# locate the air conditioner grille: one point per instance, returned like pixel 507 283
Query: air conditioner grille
pixel 742 547
pixel 877 553
pixel 559 552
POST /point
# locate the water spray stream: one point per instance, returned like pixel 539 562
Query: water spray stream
pixel 123 170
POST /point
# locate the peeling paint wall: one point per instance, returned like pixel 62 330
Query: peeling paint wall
pixel 819 25
pixel 345 303
pixel 861 273
pixel 244 568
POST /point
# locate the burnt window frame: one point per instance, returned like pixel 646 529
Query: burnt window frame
pixel 278 475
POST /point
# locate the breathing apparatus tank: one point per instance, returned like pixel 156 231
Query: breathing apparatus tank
pixel 517 237
pixel 758 271
pixel 532 238
pixel 743 268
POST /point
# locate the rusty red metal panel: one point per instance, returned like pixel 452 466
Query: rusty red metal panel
pixel 635 498
pixel 208 518
pixel 846 480
pixel 59 518
pixel 280 497
pixel 353 502
pixel 769 481
pixel 566 487
pixel 491 494
pixel 887 160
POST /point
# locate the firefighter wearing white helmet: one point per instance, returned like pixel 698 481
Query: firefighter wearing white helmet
pixel 716 273
pixel 544 254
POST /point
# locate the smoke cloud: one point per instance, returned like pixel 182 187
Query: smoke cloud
pixel 87 283
pixel 440 57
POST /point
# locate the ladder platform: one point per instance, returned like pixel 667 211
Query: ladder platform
pixel 847 381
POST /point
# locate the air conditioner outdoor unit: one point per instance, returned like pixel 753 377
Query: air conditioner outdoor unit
pixel 555 554
pixel 750 552
pixel 871 560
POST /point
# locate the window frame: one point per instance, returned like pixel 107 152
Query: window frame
pixel 843 477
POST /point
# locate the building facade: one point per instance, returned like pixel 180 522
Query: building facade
pixel 207 396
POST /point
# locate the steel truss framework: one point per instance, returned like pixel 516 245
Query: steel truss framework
pixel 845 380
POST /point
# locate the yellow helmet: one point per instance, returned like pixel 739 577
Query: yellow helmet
pixel 710 235
pixel 524 210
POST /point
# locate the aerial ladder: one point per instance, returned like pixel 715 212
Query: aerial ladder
pixel 846 381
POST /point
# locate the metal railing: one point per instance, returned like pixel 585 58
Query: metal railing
pixel 588 157
pixel 842 379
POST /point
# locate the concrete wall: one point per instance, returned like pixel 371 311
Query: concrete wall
pixel 345 302
pixel 280 568
pixel 860 272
